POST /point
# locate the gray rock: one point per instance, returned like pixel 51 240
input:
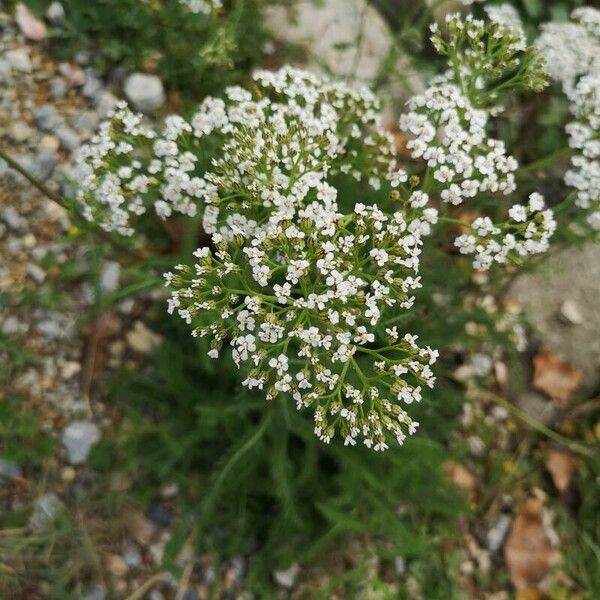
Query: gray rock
pixel 45 511
pixel 572 274
pixel 494 537
pixel 96 593
pixel 4 70
pixel 20 131
pixel 19 60
pixel 41 166
pixel 12 326
pixel 132 556
pixel 9 470
pixel 104 102
pixel 56 326
pixel 78 439
pixel 83 57
pixel 92 85
pixel 69 139
pixel 570 313
pixel 36 273
pixel 109 277
pixel 12 218
pixel 58 88
pixel 145 92
pixel 55 13
pixel 287 577
pixel 85 122
pixel 46 117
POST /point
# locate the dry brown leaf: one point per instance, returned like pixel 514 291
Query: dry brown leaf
pixel 30 26
pixel 555 377
pixel 462 478
pixel 561 466
pixel 528 552
pixel 530 594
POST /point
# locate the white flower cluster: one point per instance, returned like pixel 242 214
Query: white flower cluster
pixel 204 7
pixel 489 57
pixel 572 51
pixel 276 151
pixel 449 134
pixel 527 232
pixel 128 167
pixel 301 303
pixel 507 16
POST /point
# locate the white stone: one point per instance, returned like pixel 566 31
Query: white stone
pixel 571 313
pixel 287 577
pixel 145 92
pixel 78 439
pixel 141 339
pixel 55 13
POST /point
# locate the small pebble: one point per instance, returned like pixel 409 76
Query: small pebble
pixel 58 88
pixel 116 565
pixel 68 138
pixel 141 339
pixel 287 577
pixel 46 117
pixel 109 277
pixel 145 92
pixel 9 470
pixel 159 515
pixel 570 313
pixel 55 13
pixel 19 60
pixel 132 556
pixel 78 439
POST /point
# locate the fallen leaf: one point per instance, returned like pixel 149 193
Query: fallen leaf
pixel 528 552
pixel 555 377
pixel 31 27
pixel 530 594
pixel 461 477
pixel 561 466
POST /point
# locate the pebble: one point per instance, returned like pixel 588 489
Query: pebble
pixel 145 92
pixel 41 166
pixel 496 534
pixel 570 313
pixel 85 122
pixel 141 339
pixel 92 85
pixel 159 515
pixel 20 131
pixel 55 13
pixel 190 594
pixel 69 139
pixel 287 577
pixel 4 70
pixel 46 117
pixel 12 218
pixel 58 88
pixel 18 59
pixel 97 593
pixel 9 470
pixel 69 369
pixel 78 439
pixel 12 326
pixel 109 277
pixel 115 565
pixel 31 27
pixel 36 273
pixel 104 102
pixel 45 510
pixel 132 556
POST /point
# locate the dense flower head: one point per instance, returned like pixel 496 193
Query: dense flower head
pixel 303 282
pixel 572 51
pixel 584 138
pixel 527 232
pixel 302 305
pixel 489 57
pixel 275 148
pixel 449 134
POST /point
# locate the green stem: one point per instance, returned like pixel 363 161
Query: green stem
pixel 537 425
